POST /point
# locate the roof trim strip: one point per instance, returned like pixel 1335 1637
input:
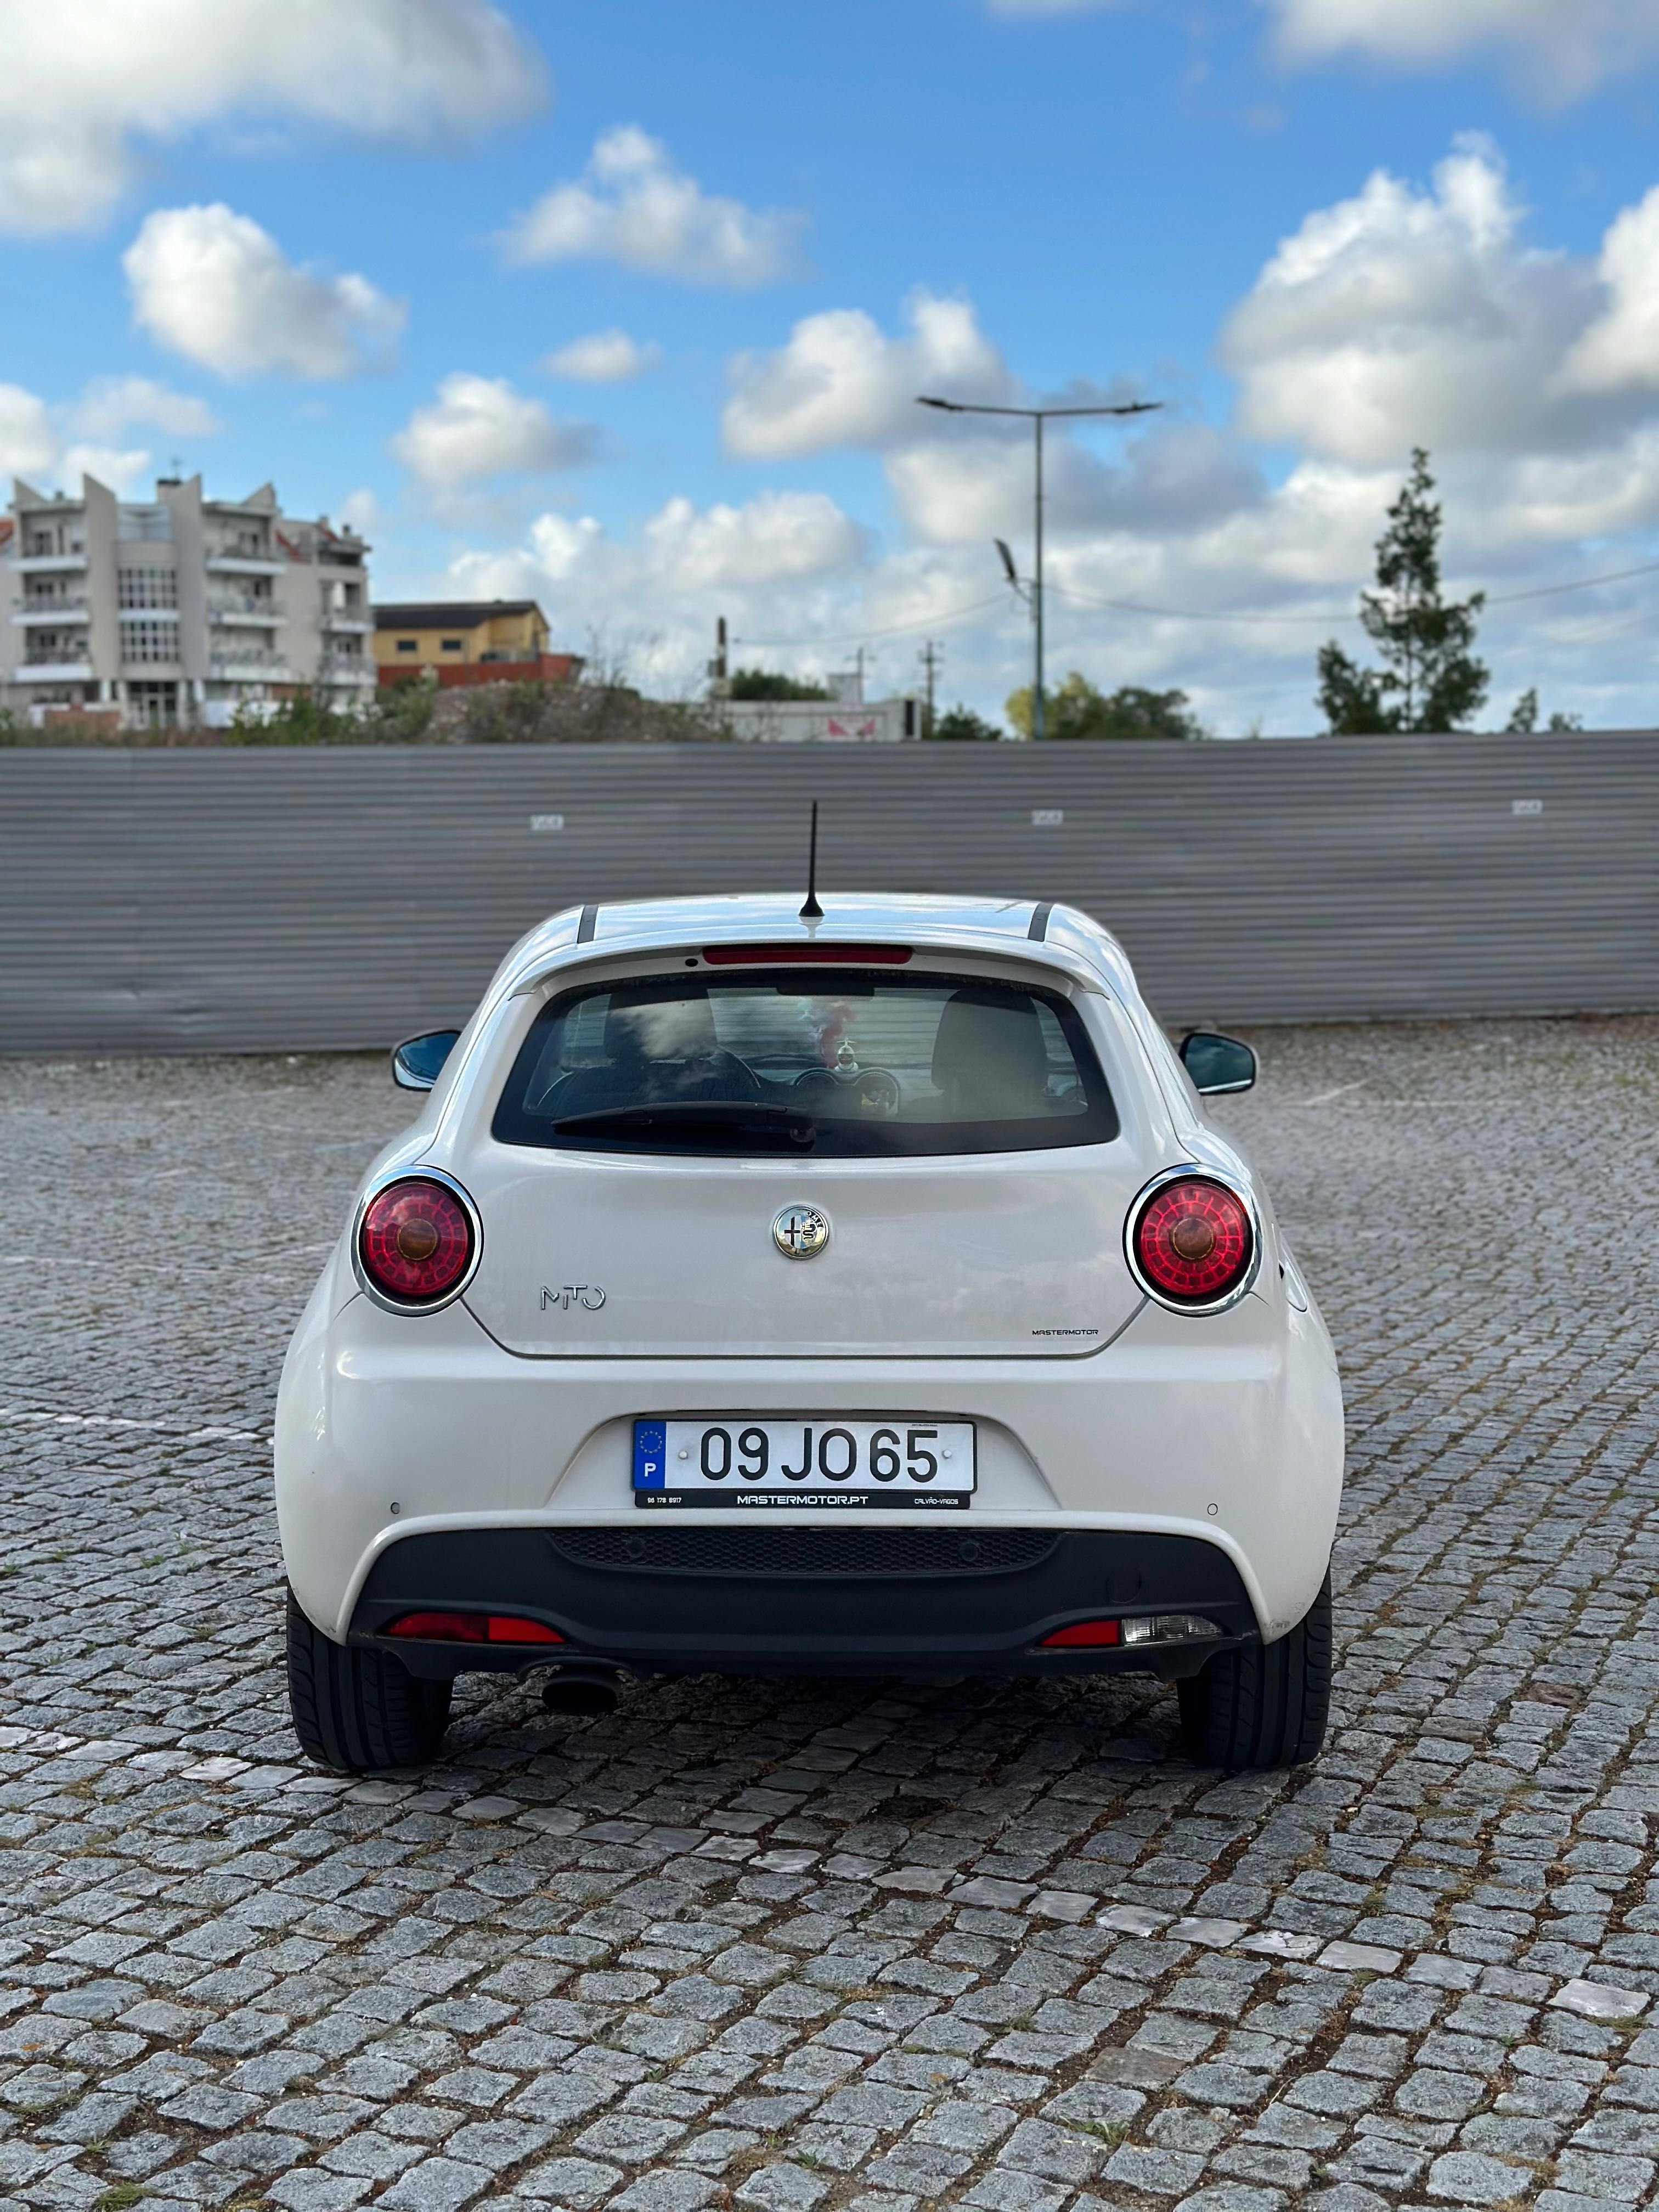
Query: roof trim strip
pixel 1039 930
pixel 587 925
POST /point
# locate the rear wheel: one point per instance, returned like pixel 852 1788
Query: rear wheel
pixel 356 1710
pixel 1266 1704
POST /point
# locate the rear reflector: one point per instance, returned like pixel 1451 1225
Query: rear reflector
pixel 806 955
pixel 1082 1631
pixel 472 1628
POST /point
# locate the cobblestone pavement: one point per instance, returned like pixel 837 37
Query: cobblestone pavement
pixel 798 1945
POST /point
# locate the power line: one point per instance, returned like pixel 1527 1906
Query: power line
pixel 1214 614
pixel 1181 613
pixel 1191 614
pixel 896 629
pixel 1585 584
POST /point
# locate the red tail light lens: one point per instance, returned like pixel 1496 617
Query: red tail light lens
pixel 1193 1242
pixel 416 1242
pixel 1081 1632
pixel 472 1628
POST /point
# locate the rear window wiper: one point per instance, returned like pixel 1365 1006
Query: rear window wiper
pixel 732 1117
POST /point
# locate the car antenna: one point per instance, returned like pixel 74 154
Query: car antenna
pixel 812 911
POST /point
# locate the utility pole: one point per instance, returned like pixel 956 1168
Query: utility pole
pixel 718 685
pixel 930 657
pixel 1037 417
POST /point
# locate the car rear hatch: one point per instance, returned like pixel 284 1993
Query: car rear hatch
pixel 633 1257
pixel 956 1134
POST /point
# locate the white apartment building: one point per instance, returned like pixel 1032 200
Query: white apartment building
pixel 180 609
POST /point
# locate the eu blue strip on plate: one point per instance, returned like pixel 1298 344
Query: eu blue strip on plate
pixel 650 1455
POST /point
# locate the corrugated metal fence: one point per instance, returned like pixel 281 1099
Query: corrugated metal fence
pixel 255 898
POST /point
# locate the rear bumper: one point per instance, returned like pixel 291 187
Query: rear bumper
pixel 760 1601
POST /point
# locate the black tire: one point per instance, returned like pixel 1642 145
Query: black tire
pixel 1266 1704
pixel 358 1711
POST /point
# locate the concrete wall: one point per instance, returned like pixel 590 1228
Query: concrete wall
pixel 250 898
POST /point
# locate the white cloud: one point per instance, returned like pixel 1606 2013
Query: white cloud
pixel 1401 318
pixel 840 381
pixel 1621 348
pixel 210 285
pixel 54 445
pixel 632 206
pixel 1563 45
pixel 778 537
pixel 778 540
pixel 112 405
pixel 89 85
pixel 602 357
pixel 479 427
pixel 28 441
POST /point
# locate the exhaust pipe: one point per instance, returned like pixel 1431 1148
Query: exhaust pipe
pixel 582 1690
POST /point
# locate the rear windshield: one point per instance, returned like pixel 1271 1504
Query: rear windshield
pixel 826 1061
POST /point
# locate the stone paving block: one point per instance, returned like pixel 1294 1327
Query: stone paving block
pixel 847 1935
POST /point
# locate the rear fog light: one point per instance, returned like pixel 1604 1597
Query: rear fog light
pixel 472 1628
pixel 1170 1628
pixel 1082 1633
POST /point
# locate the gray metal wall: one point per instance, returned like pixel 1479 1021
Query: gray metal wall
pixel 255 897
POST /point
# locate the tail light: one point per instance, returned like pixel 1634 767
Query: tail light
pixel 417 1242
pixel 1192 1243
pixel 472 1628
pixel 1083 1633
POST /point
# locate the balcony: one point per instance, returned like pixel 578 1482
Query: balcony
pixel 47 564
pixel 68 611
pixel 248 667
pixel 234 607
pixel 346 668
pixel 229 561
pixel 55 664
pixel 349 618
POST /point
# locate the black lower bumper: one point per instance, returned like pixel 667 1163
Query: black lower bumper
pixel 803 1600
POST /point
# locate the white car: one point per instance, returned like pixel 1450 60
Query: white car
pixel 757 1293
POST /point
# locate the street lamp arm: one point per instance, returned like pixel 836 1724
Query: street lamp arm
pixel 1035 414
pixel 1131 407
pixel 965 407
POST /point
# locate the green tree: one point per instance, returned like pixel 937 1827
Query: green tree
pixel 1523 717
pixel 960 723
pixel 1077 709
pixel 1429 678
pixel 762 684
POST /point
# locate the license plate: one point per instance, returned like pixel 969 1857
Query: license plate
pixel 734 1460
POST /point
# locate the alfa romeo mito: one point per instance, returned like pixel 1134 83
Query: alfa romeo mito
pixel 859 1292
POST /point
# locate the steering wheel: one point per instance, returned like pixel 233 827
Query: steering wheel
pixel 725 1068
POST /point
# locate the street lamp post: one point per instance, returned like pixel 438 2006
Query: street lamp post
pixel 1037 417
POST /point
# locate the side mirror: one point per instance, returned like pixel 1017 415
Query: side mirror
pixel 1217 1063
pixel 419 1061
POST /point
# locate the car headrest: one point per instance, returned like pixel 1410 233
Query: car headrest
pixel 672 1029
pixel 989 1042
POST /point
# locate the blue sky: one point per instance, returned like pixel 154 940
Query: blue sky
pixel 349 245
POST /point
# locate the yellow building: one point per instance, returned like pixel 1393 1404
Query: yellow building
pixel 467 642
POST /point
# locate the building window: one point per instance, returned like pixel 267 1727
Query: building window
pixel 139 522
pixel 450 644
pixel 147 587
pixel 145 641
pixel 408 644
